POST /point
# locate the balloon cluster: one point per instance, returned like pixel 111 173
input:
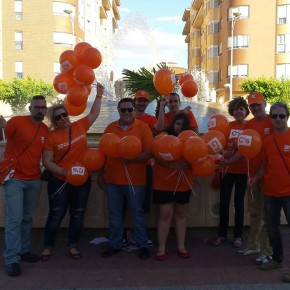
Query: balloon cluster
pixel 77 74
pixel 189 87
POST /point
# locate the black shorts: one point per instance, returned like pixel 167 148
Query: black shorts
pixel 163 197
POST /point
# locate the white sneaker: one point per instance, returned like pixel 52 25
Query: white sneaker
pixel 263 259
pixel 248 251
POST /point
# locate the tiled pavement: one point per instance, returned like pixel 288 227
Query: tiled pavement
pixel 208 267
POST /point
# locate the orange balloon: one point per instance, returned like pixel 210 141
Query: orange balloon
pixel 81 47
pixel 77 175
pixel 130 147
pixel 164 81
pixel 68 60
pixel 155 142
pixel 194 149
pixel 185 135
pixel 109 144
pixel 63 82
pixel 249 143
pixel 185 77
pixel 94 159
pixel 189 88
pixel 219 123
pixel 74 110
pixel 77 95
pixel 216 141
pixel 91 57
pixel 169 148
pixel 204 168
pixel 83 75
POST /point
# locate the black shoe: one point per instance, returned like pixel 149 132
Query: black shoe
pixel 143 253
pixel 13 270
pixel 110 252
pixel 30 258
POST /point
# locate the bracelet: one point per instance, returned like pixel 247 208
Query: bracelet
pixel 99 96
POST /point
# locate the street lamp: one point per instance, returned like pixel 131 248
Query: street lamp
pixel 71 18
pixel 235 17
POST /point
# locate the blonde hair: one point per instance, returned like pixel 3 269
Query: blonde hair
pixel 50 114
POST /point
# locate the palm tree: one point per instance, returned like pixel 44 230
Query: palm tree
pixel 143 80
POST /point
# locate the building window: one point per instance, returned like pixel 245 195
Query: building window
pixel 239 41
pixel 283 43
pixel 18 40
pixel 19 69
pixel 59 7
pixel 56 68
pixel 18 9
pixel 213 27
pixel 213 3
pixel 283 71
pixel 244 10
pixel 196 52
pixel 213 51
pixel 240 70
pixel 63 38
pixel 283 14
pixel 213 76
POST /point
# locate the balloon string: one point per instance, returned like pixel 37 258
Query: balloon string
pixel 249 177
pixel 128 177
pixel 178 180
pixel 59 190
pixel 184 176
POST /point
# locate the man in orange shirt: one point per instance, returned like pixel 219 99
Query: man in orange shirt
pixel 173 106
pixel 258 239
pixel 125 181
pixel 25 140
pixel 275 170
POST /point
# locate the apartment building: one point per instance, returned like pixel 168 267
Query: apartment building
pixel 232 40
pixel 34 33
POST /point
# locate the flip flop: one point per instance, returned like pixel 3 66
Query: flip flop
pixel 75 253
pixel 218 241
pixel 45 255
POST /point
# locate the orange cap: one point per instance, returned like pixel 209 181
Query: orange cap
pixel 142 94
pixel 255 98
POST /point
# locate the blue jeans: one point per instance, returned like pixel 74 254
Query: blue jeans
pixel 227 182
pixel 117 195
pixel 73 197
pixel 21 198
pixel 273 206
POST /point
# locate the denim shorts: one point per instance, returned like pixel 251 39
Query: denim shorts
pixel 163 196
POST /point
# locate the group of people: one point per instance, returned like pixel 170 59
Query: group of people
pixel 130 183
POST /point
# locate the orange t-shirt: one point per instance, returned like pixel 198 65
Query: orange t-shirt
pixel 168 179
pixel 236 129
pixel 58 142
pixel 277 177
pixel 149 120
pixel 20 131
pixel 115 172
pixel 168 119
pixel 264 128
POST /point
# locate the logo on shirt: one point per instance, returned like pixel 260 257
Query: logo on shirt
pixel 286 148
pixel 266 131
pixel 42 139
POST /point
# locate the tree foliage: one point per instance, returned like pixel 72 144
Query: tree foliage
pixel 142 80
pixel 18 92
pixel 274 90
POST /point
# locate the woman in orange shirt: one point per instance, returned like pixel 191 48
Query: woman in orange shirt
pixel 171 192
pixel 66 145
pixel 234 175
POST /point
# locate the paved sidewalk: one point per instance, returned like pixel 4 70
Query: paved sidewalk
pixel 208 267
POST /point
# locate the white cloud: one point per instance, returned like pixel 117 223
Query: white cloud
pixel 123 9
pixel 177 19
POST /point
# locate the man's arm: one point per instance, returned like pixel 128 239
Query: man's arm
pixel 159 126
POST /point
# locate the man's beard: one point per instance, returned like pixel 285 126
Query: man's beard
pixel 38 117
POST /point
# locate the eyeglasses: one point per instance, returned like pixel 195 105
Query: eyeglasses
pixel 275 116
pixel 124 110
pixel 58 117
pixel 173 101
pixel 40 107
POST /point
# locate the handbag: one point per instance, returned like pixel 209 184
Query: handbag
pixel 46 174
pixel 8 166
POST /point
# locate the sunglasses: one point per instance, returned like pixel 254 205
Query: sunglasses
pixel 58 117
pixel 275 116
pixel 124 110
pixel 173 101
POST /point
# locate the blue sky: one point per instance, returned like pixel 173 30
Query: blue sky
pixel 150 31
